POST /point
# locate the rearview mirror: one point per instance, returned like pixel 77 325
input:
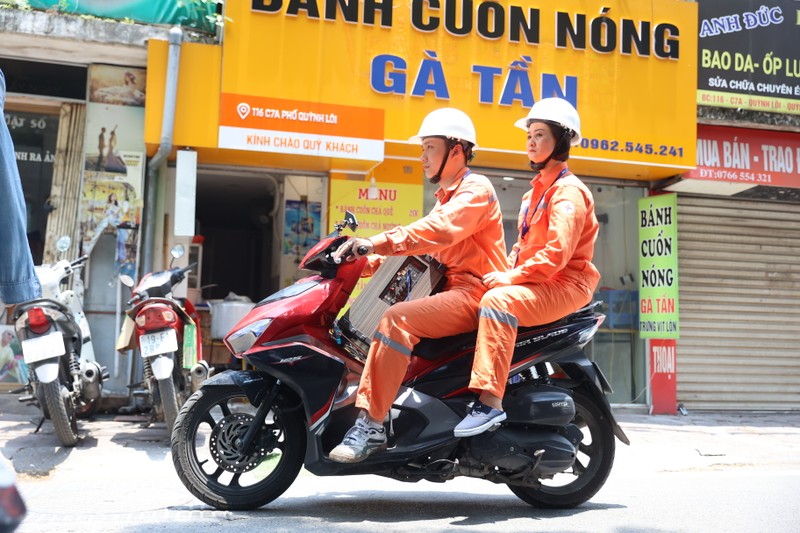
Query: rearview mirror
pixel 126 280
pixel 350 221
pixel 63 243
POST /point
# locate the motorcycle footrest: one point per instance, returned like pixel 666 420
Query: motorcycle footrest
pixel 140 393
pixel 27 398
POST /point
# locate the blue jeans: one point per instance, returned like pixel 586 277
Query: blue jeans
pixel 18 281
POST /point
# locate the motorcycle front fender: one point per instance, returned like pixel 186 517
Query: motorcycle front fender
pixel 253 384
pixel 162 366
pixel 47 372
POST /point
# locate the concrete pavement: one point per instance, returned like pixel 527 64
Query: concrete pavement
pixel 680 442
pixel 121 476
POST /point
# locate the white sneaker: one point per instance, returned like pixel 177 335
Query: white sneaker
pixel 479 419
pixel 364 438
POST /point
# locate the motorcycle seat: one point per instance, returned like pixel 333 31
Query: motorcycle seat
pixel 431 349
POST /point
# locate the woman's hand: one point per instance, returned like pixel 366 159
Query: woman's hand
pixel 497 279
pixel 352 246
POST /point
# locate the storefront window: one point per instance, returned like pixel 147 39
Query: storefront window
pixel 34 137
pixel 617 348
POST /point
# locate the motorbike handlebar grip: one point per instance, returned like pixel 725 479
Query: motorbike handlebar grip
pixel 135 298
pixel 81 259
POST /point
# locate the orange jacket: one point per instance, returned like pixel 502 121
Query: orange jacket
pixel 560 228
pixel 463 231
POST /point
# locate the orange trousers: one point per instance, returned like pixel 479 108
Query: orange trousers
pixel 503 309
pixel 453 311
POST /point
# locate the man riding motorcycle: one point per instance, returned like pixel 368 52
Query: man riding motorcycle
pixel 464 232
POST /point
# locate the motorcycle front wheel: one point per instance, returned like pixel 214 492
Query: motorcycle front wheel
pixel 208 457
pixel 169 402
pixel 61 411
pixel 592 465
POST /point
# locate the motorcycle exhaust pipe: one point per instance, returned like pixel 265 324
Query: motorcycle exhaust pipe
pixel 200 372
pixel 91 382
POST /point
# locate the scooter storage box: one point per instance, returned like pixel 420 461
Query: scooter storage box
pixel 399 278
pixel 225 315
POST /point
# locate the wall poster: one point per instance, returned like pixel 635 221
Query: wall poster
pixel 114 162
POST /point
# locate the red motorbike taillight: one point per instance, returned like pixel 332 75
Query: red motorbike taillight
pixel 154 318
pixel 37 320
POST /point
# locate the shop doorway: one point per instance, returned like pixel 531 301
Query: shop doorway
pixel 238 229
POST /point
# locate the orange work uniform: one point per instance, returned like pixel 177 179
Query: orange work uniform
pixel 464 231
pixel 550 266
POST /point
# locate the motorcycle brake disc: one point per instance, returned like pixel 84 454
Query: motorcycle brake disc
pixel 224 448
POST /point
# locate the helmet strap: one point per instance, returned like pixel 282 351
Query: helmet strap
pixel 450 143
pixel 561 148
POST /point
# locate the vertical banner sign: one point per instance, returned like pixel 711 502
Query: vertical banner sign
pixel 663 386
pixel 658 266
pixel 749 56
pixel 114 159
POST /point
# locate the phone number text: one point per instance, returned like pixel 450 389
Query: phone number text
pixel 632 147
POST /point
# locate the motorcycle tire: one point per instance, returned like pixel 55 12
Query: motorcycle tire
pixel 209 463
pixel 169 402
pixel 61 411
pixel 592 465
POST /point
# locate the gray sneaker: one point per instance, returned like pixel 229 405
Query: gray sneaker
pixel 362 439
pixel 479 419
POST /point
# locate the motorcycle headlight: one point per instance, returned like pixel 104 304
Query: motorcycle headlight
pixel 243 339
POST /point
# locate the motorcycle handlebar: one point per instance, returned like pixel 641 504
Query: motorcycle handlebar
pixel 361 250
pixel 179 274
pixel 80 260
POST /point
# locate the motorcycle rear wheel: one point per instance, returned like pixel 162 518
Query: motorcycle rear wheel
pixel 62 412
pixel 592 464
pixel 212 467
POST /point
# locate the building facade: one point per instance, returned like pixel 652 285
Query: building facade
pixel 297 111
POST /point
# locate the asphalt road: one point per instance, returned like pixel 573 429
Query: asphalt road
pixel 702 472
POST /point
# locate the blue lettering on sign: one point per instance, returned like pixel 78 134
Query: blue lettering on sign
pixel 389 74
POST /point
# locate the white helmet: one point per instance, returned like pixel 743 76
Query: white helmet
pixel 447 122
pixel 555 110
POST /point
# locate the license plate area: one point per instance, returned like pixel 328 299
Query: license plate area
pixel 159 342
pixel 45 347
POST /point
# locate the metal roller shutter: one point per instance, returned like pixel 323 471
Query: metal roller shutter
pixel 739 272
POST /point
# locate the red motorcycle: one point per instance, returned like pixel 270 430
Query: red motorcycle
pixel 240 441
pixel 166 333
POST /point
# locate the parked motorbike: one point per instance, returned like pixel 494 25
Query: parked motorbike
pixel 65 380
pixel 240 441
pixel 166 333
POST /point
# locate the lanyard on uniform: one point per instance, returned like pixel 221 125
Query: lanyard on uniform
pixel 525 226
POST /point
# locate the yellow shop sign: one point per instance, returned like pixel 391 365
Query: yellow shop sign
pixel 629 68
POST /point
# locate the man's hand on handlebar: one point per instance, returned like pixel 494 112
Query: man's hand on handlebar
pixel 355 247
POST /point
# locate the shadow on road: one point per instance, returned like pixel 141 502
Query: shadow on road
pixel 391 507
